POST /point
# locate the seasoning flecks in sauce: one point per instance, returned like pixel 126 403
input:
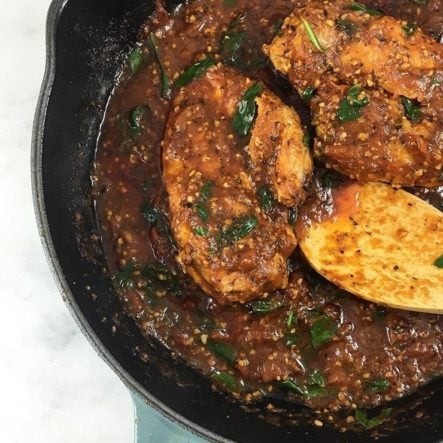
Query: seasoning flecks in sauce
pixel 308 342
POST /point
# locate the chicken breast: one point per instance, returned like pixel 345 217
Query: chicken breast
pixel 277 150
pixel 233 235
pixel 329 47
pixel 382 144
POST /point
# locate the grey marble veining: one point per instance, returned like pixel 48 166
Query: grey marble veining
pixel 54 388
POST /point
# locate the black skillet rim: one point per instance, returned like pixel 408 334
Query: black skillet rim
pixel 55 9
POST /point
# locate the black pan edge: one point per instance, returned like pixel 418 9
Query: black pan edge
pixel 55 10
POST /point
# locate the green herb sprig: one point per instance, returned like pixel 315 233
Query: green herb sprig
pixel 311 35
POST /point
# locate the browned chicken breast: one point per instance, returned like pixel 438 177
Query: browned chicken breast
pixel 389 126
pixel 381 145
pixel 233 235
pixel 277 151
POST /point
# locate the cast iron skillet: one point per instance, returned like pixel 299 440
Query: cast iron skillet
pixel 86 42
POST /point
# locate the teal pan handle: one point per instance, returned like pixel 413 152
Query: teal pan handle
pixel 152 427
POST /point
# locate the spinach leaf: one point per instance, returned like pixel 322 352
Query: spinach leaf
pixel 315 391
pixel 222 350
pixel 439 262
pixel 307 94
pixel 292 385
pixel 379 313
pixel 436 82
pixel 136 115
pixel 265 197
pixel 202 212
pixel 135 59
pixel 316 386
pixel 146 184
pixel 194 71
pixel 362 8
pixel 317 378
pixel 231 41
pixel 239 229
pixel 200 231
pixel 246 110
pixel 327 181
pixel 159 277
pixel 412 110
pixel 291 340
pixel 409 29
pixel 290 318
pixel 311 35
pixel 256 64
pixel 157 219
pixel 228 381
pixel 346 26
pixel 350 106
pixel 276 27
pixel 123 279
pixel 377 385
pixel 202 202
pixel 368 423
pixel 229 3
pixel 165 87
pixel 322 331
pixel 292 215
pixel 151 213
pixel 206 190
pixel 306 139
pixel 209 325
pixel 264 306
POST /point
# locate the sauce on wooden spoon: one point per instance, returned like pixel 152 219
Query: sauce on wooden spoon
pixel 379 243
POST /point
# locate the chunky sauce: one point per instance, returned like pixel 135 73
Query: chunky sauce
pixel 310 343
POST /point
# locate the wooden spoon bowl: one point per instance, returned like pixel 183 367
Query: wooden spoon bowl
pixel 377 242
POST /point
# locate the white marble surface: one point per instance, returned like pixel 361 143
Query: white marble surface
pixel 53 386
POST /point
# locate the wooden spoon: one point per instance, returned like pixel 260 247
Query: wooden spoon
pixel 377 242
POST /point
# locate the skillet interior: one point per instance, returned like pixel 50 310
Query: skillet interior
pixel 86 38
